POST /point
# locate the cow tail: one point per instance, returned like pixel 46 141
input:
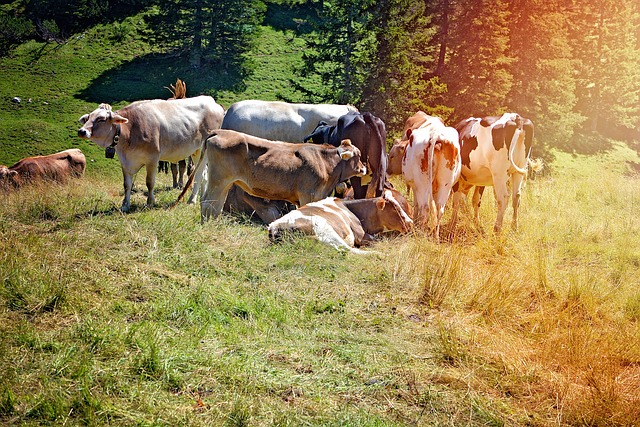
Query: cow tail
pixel 379 176
pixel 514 140
pixel 432 147
pixel 203 153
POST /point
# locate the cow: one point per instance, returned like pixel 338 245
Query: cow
pixel 431 166
pixel 495 150
pixel 368 133
pixel 145 132
pixel 281 121
pixel 275 170
pixel 396 153
pixel 278 121
pixel 344 224
pixel 179 91
pixel 58 167
pixel 398 196
pixel 264 210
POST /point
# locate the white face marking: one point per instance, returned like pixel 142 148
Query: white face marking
pixel 388 196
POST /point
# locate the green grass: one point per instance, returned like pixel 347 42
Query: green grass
pixel 152 318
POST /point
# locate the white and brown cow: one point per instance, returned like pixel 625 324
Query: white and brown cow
pixel 145 132
pixel 275 170
pixel 494 151
pixel 58 167
pixel 344 224
pixel 431 166
pixel 396 152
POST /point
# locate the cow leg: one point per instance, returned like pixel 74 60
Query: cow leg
pixel 151 179
pixel 460 191
pixel 174 174
pixel 213 199
pixel 501 193
pixel 182 169
pixel 441 198
pixel 421 209
pixel 199 176
pixel 516 186
pixel 476 200
pixel 359 190
pixel 128 184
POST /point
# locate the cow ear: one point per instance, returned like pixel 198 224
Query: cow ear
pixel 345 154
pixel 380 203
pixel 346 149
pixel 118 119
pixel 84 119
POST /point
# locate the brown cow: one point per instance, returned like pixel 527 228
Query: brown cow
pixel 56 167
pixel 297 173
pixel 267 211
pixel 344 224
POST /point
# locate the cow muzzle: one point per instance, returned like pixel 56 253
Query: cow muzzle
pixel 84 133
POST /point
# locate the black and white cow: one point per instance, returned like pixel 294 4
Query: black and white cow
pixel 368 133
pixel 494 150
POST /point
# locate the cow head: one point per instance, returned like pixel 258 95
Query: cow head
pixel 99 126
pixel 351 154
pixel 396 154
pixel 8 177
pixel 391 214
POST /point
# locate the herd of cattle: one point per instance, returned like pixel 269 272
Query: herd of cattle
pixel 281 162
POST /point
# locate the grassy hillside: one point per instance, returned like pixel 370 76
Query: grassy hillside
pixel 59 83
pixel 152 318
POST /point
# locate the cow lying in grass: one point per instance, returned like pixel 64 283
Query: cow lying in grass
pixel 58 167
pixel 344 224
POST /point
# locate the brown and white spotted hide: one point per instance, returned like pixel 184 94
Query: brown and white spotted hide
pixel 494 151
pixel 344 224
pixel 431 166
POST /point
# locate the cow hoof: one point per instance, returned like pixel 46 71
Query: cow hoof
pixel 125 208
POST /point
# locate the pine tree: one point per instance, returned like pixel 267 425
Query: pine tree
pixel 543 85
pixel 401 80
pixel 477 67
pixel 219 32
pixel 605 41
pixel 340 51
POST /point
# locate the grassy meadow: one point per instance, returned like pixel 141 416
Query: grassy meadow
pixel 154 319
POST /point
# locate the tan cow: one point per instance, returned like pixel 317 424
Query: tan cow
pixel 145 132
pixel 344 224
pixel 56 167
pixel 297 173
